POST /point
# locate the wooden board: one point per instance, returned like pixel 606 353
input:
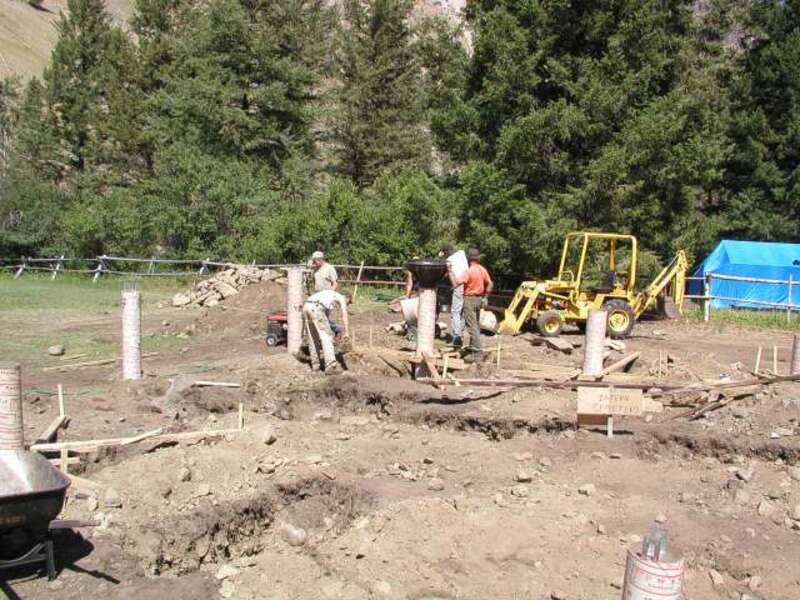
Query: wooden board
pixel 610 401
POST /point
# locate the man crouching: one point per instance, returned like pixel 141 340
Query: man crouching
pixel 317 312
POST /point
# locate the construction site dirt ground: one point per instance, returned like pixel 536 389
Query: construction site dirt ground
pixel 371 485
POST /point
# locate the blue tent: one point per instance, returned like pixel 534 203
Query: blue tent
pixel 762 260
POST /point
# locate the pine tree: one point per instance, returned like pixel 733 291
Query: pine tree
pixel 763 175
pixel 379 118
pixel 73 81
pixel 596 114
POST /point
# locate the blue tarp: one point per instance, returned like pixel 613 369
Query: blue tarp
pixel 762 260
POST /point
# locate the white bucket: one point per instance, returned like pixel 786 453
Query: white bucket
pixel 410 309
pixel 488 320
pixel 650 580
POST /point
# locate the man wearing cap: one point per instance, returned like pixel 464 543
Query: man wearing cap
pixel 477 286
pixel 317 312
pixel 325 277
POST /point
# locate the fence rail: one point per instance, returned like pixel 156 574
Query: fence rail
pixel 708 296
pixel 114 265
pixel 362 274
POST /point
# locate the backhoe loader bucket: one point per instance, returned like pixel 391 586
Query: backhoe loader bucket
pixel 522 306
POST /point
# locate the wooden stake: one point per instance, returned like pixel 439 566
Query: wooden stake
pixel 499 350
pixel 758 360
pixel 774 360
pixel 444 367
pixel 358 280
pixel 65 460
pixel 61 410
pixel 241 416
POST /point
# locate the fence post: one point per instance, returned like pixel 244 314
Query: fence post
pixel 707 301
pixel 21 268
pixel 99 268
pixel 151 266
pixel 789 302
pixel 59 265
pixel 358 280
pixel 203 267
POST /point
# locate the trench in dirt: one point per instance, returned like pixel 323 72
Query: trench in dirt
pixel 723 449
pixel 407 407
pixel 230 530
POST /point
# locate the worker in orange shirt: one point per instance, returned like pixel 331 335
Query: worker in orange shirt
pixel 477 287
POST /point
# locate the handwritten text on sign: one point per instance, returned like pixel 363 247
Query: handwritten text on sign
pixel 609 401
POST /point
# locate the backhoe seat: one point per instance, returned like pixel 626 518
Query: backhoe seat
pixel 608 284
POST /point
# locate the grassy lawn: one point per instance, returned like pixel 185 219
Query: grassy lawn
pixel 765 319
pixel 36 313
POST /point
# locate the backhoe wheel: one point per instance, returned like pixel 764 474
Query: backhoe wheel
pixel 550 323
pixel 620 319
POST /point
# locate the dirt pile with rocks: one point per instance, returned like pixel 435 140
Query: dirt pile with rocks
pixel 223 285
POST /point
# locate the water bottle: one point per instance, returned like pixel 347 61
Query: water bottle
pixel 654 546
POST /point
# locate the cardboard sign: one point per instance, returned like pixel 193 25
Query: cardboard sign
pixel 610 401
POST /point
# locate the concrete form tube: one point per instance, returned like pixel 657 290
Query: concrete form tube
pixel 12 432
pixel 294 310
pixel 426 321
pixel 131 333
pixel 595 342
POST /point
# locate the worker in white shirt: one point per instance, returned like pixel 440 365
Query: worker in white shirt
pixel 317 312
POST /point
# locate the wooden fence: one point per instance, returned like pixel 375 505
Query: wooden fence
pixel 708 295
pixel 155 267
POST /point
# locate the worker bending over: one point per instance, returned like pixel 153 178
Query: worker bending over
pixel 317 312
pixel 477 286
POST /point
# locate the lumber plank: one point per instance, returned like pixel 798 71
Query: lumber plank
pixel 93 363
pixel 225 384
pixel 94 445
pixel 50 432
pixel 431 367
pixel 622 364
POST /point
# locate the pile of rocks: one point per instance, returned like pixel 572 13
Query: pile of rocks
pixel 224 284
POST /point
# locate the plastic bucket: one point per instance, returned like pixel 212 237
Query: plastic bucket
pixel 488 321
pixel 649 580
pixel 410 308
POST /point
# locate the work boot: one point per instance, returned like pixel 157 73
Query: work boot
pixel 457 342
pixel 334 369
pixel 474 357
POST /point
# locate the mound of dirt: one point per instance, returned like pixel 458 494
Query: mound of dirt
pixel 224 284
pixel 244 313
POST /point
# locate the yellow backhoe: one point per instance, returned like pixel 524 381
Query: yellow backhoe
pixel 598 270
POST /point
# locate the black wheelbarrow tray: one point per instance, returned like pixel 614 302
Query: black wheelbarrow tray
pixel 32 494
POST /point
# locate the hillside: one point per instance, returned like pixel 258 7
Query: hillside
pixel 27 34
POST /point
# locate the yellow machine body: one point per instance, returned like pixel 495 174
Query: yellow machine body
pixel 569 297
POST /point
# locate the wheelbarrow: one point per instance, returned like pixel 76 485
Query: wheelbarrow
pixel 32 495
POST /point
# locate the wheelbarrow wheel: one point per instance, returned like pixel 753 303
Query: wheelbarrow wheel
pixel 550 323
pixel 272 340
